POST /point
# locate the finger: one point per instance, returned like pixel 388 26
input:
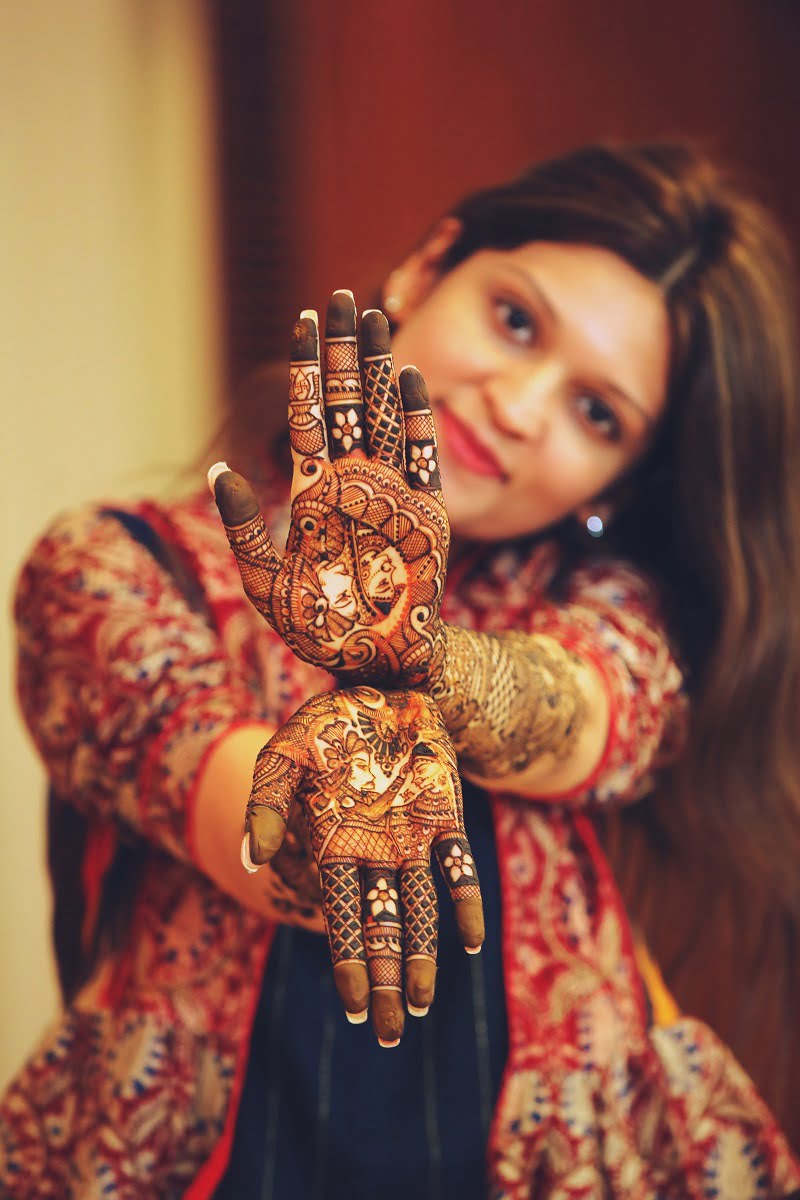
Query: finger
pixel 383 412
pixel 276 780
pixel 263 840
pixel 382 940
pixel 421 924
pixel 458 867
pixel 344 404
pixel 422 454
pixel 247 533
pixel 341 907
pixel 306 422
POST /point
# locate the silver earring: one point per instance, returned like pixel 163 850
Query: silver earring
pixel 594 526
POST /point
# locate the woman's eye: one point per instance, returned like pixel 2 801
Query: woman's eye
pixel 516 320
pixel 600 418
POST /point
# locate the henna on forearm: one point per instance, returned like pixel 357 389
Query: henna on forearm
pixel 507 699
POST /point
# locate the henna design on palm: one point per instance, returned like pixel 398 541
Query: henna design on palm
pixel 377 780
pixel 359 588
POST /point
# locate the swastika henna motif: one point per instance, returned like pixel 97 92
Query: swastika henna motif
pixel 377 780
pixel 306 426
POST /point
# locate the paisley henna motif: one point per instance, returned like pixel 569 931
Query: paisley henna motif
pixel 376 778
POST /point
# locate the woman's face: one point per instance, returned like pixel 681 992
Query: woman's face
pixel 546 367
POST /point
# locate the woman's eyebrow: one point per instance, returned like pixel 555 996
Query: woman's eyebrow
pixel 606 385
pixel 626 398
pixel 531 284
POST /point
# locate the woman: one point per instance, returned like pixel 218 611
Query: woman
pixel 608 343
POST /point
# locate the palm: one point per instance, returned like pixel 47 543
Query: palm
pixel 377 780
pixel 359 588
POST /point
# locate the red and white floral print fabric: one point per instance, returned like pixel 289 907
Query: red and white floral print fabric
pixel 133 1093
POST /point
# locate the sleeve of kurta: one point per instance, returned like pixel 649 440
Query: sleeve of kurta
pixel 611 618
pixel 124 688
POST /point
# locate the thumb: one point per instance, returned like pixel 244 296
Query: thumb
pixel 264 838
pixel 235 500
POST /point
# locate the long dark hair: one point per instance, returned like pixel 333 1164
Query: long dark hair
pixel 710 866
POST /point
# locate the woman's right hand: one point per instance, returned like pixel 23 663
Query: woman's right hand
pixel 359 588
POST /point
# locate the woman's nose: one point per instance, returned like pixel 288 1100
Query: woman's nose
pixel 520 400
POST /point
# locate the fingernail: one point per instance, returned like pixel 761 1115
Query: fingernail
pixel 367 311
pixel 357 1018
pixel 247 861
pixel 344 292
pixel 473 949
pixel 214 472
pixel 388 1045
pixel 418 1012
pixel 311 314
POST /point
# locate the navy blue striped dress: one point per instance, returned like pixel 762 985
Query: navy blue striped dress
pixel 327 1114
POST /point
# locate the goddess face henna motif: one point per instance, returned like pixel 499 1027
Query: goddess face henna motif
pixel 359 588
pixel 377 780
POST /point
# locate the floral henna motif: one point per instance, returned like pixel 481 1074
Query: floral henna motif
pixel 423 463
pixel 377 781
pixel 344 408
pixel 383 928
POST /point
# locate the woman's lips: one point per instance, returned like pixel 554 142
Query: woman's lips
pixel 464 446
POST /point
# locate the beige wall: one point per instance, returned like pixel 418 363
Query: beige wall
pixel 110 367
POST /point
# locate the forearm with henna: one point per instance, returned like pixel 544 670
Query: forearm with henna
pixel 508 699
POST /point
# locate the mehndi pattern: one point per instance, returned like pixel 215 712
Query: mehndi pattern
pixel 508 698
pixel 377 780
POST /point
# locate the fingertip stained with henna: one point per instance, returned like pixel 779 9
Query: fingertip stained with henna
pixel 340 319
pixel 304 344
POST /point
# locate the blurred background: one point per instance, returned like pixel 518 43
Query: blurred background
pixel 181 177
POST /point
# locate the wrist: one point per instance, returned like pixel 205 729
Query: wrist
pixel 438 661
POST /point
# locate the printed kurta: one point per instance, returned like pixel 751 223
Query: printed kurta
pixel 133 1093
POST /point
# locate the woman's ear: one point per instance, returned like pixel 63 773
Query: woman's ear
pixel 409 284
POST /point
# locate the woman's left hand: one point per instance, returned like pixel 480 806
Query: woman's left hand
pixel 359 588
